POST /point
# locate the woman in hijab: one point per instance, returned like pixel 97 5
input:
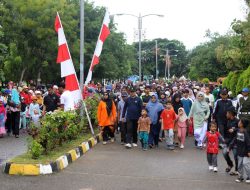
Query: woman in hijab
pixel 200 112
pixel 106 116
pixel 154 109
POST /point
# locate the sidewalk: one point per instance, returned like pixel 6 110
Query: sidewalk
pixel 11 147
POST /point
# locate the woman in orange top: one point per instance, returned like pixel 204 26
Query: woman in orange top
pixel 106 115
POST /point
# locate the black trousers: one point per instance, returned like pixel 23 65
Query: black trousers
pixel 212 159
pixel 228 159
pixel 222 126
pixel 123 130
pixel 132 126
pixel 15 120
pixel 107 132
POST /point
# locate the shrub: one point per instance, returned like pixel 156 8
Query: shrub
pixel 92 106
pixel 36 149
pixel 244 80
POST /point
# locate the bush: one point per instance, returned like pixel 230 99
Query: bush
pixel 231 81
pixel 92 106
pixel 36 149
pixel 244 80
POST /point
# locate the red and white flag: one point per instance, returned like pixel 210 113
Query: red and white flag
pixel 67 67
pixel 101 39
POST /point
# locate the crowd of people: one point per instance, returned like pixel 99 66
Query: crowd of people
pixel 23 106
pixel 159 111
pixel 148 113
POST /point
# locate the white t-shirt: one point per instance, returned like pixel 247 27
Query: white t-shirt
pixel 67 100
pixel 211 99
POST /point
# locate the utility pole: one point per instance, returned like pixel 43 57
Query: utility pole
pixel 166 64
pixel 81 44
pixel 156 60
pixel 139 30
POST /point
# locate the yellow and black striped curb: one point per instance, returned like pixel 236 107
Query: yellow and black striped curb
pixel 56 166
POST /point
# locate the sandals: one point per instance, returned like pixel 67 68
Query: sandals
pixel 228 169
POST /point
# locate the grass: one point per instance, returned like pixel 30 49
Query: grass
pixel 53 155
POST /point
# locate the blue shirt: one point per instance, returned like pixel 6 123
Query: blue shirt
pixel 187 103
pixel 133 107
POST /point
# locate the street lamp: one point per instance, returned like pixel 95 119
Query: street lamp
pixel 140 33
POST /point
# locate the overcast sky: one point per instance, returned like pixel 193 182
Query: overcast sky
pixel 184 20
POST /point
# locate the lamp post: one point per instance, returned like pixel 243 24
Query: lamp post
pixel 139 32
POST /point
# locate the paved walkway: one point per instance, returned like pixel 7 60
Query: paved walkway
pixel 112 167
pixel 11 147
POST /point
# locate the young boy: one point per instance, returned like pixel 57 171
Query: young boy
pixel 212 138
pixel 242 140
pixel 144 128
pixel 230 134
pixel 168 118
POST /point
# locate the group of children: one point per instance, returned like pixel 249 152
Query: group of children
pixel 236 139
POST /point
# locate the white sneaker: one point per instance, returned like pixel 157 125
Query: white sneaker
pixel 112 140
pixel 128 145
pixel 104 142
pixel 210 168
pixel 248 180
pixel 134 145
pixel 182 146
pixel 215 169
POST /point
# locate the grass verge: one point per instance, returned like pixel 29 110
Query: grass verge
pixel 53 155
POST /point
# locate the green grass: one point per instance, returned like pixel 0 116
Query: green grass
pixel 53 155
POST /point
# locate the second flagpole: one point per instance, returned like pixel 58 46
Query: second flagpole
pixel 81 45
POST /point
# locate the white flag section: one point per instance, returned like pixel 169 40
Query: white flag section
pixel 104 33
pixel 67 67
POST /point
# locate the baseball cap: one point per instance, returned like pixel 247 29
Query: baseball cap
pixel 246 90
pixel 223 92
pixel 124 94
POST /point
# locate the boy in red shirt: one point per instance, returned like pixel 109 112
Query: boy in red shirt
pixel 212 138
pixel 168 118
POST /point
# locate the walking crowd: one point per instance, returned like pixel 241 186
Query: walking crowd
pixel 148 113
pixel 151 113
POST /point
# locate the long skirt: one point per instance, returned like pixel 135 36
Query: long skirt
pixel 200 133
pixel 2 124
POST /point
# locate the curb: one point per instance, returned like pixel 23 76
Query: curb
pixel 54 167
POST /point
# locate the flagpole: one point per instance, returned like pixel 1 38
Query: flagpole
pixel 81 44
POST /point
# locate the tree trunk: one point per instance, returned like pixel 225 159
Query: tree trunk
pixel 22 74
pixel 39 78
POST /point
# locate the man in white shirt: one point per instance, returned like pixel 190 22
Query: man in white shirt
pixel 66 99
pixel 209 96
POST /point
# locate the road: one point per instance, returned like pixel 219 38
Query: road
pixel 112 167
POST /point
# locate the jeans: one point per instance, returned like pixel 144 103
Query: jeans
pixel 132 125
pixel 212 159
pixel 221 127
pixel 228 159
pixel 123 130
pixel 169 137
pixel 244 166
pixel 143 136
pixel 154 134
pixel 107 132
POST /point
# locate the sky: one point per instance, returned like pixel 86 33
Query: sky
pixel 184 20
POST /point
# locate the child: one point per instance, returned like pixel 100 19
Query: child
pixel 168 118
pixel 144 128
pixel 34 111
pixel 242 140
pixel 181 123
pixel 212 138
pixel 230 134
pixel 2 118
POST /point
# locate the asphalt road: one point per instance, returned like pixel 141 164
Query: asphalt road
pixel 114 167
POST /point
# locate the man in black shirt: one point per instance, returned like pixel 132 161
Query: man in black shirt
pixel 51 101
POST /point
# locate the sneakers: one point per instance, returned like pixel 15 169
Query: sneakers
pixel 182 146
pixel 104 142
pixel 170 147
pixel 239 180
pixel 122 143
pixel 144 149
pixel 215 169
pixel 248 180
pixel 210 168
pixel 128 145
pixel 134 145
pixel 112 140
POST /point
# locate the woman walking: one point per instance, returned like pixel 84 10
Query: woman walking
pixel 200 112
pixel 106 115
pixel 154 109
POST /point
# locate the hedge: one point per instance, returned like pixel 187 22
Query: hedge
pixel 237 80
